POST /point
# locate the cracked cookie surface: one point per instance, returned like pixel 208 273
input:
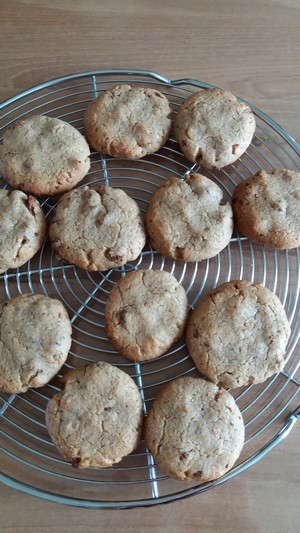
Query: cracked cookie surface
pixel 267 208
pixel 35 339
pixel 237 334
pixel 145 314
pixel 97 229
pixel 194 430
pixel 128 122
pixel 97 419
pixel 213 128
pixel 188 219
pixel 44 156
pixel 22 228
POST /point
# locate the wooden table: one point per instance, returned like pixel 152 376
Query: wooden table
pixel 253 50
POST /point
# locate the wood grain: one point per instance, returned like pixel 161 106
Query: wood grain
pixel 250 48
pixel 264 499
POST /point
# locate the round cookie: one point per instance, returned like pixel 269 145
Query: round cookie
pixel 128 122
pixel 97 419
pixel 22 228
pixel 266 208
pixel 237 334
pixel 213 128
pixel 35 339
pixel 188 219
pixel 44 156
pixel 194 430
pixel 97 229
pixel 145 314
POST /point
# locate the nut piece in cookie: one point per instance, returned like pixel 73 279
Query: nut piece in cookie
pixel 194 430
pixel 97 229
pixel 44 156
pixel 237 334
pixel 128 122
pixel 22 228
pixel 188 219
pixel 35 333
pixel 97 419
pixel 145 314
pixel 267 208
pixel 213 128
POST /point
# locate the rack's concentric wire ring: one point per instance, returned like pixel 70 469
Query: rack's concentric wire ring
pixel 29 461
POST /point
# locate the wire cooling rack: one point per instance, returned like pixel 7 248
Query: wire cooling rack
pixel 29 461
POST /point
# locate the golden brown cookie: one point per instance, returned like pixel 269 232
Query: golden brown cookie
pixel 267 208
pixel 237 334
pixel 128 122
pixel 213 128
pixel 145 314
pixel 97 419
pixel 22 228
pixel 35 339
pixel 189 219
pixel 44 156
pixel 97 229
pixel 194 430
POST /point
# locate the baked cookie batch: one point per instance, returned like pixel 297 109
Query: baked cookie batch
pixel 237 334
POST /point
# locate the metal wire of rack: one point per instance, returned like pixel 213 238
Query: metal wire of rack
pixel 28 458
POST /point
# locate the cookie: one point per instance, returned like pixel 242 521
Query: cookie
pixel 188 219
pixel 44 156
pixel 213 128
pixel 145 314
pixel 267 208
pixel 97 419
pixel 194 430
pixel 22 228
pixel 97 229
pixel 237 334
pixel 128 122
pixel 35 339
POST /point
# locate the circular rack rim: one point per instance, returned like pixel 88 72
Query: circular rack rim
pixel 291 419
